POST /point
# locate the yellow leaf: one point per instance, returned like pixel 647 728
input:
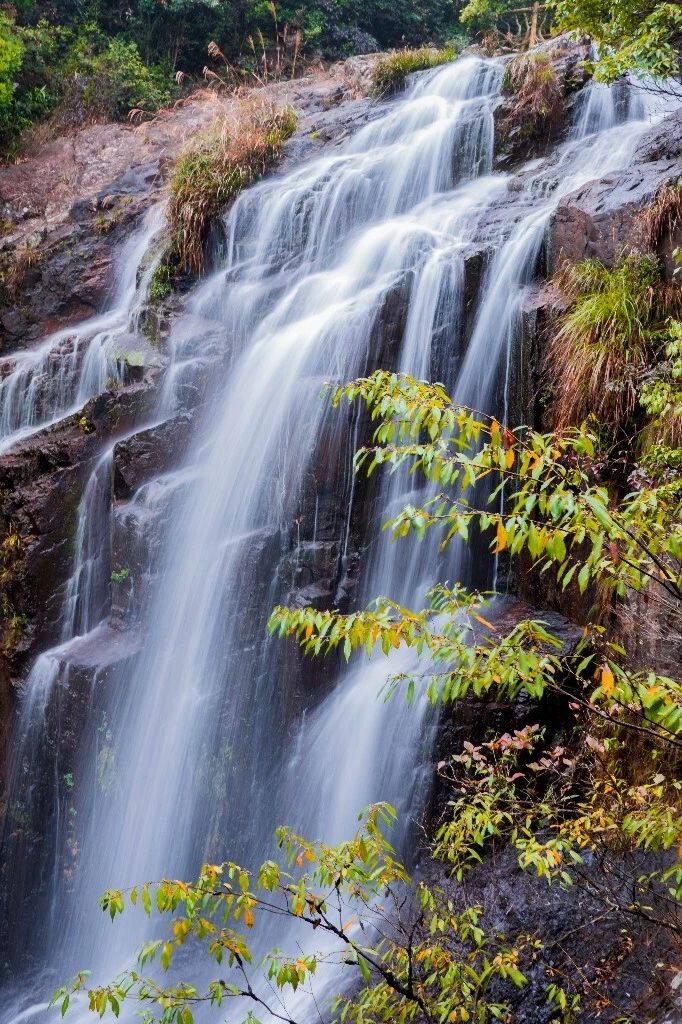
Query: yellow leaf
pixel 501 537
pixel 607 681
pixel 509 458
pixel 248 917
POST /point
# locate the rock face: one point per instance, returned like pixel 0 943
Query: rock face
pixel 603 218
pixel 68 207
pixel 526 123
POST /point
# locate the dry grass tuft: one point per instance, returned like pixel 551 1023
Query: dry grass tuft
pixel 228 157
pixel 663 216
pixel 531 79
pixel 391 71
pixel 603 343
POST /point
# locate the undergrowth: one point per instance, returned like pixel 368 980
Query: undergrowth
pixel 606 338
pixel 391 71
pixel 215 167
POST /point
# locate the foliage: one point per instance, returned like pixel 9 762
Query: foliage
pixel 568 814
pixel 661 393
pixel 391 71
pixel 11 56
pixel 402 956
pixel 118 81
pixel 160 285
pixel 604 340
pixel 215 168
pixel 638 36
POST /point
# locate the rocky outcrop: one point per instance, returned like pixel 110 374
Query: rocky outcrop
pixel 68 207
pixel 604 217
pixel 537 94
pixel 41 483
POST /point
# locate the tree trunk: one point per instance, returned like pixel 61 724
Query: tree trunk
pixel 533 34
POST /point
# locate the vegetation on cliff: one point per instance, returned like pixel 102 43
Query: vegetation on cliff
pixel 214 169
pixel 391 71
pixel 616 326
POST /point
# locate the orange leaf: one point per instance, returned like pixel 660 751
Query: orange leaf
pixel 501 537
pixel 607 681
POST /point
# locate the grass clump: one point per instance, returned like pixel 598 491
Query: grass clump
pixel 214 169
pixel 391 71
pixel 531 79
pixel 663 216
pixel 606 338
pixel 661 392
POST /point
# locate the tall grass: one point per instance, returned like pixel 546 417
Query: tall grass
pixel 214 168
pixel 391 71
pixel 604 341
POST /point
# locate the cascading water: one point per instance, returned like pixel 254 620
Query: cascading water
pixel 203 734
pixel 41 385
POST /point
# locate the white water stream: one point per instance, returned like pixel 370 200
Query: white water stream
pixel 204 740
pixel 42 385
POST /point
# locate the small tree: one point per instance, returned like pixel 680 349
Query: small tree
pixel 416 953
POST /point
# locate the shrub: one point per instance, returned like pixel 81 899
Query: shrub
pixel 661 393
pixel 391 71
pixel 604 340
pixel 11 56
pixel 214 169
pixel 119 80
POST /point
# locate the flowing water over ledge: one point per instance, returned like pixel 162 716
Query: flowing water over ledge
pixel 203 753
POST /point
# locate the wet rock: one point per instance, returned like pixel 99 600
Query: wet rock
pixel 41 483
pixel 310 573
pixel 148 453
pixel 603 218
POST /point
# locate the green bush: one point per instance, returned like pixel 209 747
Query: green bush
pixel 119 80
pixel 160 285
pixel 390 72
pixel 11 57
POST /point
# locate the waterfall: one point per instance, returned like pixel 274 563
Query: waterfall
pixel 42 385
pixel 205 747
